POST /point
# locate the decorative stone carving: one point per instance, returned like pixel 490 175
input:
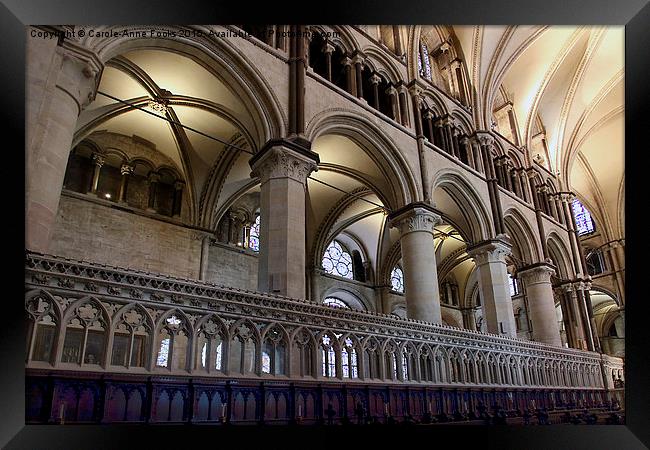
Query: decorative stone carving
pixel 280 162
pixel 490 251
pixel 415 219
pixel 537 274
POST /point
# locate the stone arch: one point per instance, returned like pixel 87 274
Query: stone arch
pixel 467 200
pixel 382 65
pixel 560 255
pixel 522 236
pixel 351 295
pixel 376 144
pixel 219 56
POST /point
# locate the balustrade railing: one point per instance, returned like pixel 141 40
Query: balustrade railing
pixel 88 317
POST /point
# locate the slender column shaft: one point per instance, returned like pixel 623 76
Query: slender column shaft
pixel 99 162
pixel 126 172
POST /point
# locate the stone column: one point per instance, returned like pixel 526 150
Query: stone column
pixel 469 319
pixel 283 167
pixel 528 195
pixel 428 118
pixel 178 198
pixel 205 258
pixel 126 171
pixel 394 102
pixel 490 259
pixel 464 141
pixel 154 178
pixel 328 48
pixel 374 80
pixel 347 63
pixel 403 105
pixel 98 160
pixel 541 304
pixel 416 223
pixel 61 80
pixel 358 69
pixel 577 317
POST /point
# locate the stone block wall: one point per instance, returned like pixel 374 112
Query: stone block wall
pixel 233 267
pixel 91 231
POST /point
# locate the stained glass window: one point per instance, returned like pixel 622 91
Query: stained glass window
pixel 583 219
pixel 266 363
pixel 254 236
pixel 397 279
pixel 329 358
pixel 405 366
pixel 337 261
pixel 217 364
pixel 426 61
pixel 513 285
pixel 335 303
pixel 163 353
pixel 349 360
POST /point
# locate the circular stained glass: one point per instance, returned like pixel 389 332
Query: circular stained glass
pixel 337 261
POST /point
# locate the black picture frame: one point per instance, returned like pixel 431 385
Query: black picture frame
pixel 634 14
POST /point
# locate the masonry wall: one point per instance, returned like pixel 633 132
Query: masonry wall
pixel 232 267
pixel 91 231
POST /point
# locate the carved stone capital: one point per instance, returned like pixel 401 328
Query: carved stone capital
pixel 153 177
pixel 375 79
pixel 98 159
pixel 485 139
pixel 414 217
pixel 328 47
pixel 428 115
pixel 80 73
pixel 491 251
pixel 179 185
pixel 126 169
pixel 281 161
pixel 391 90
pixel 536 274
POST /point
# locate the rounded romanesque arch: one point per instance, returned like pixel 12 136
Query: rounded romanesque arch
pixel 402 184
pixel 471 214
pixel 526 249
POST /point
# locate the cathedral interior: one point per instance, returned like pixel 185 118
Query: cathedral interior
pixel 320 224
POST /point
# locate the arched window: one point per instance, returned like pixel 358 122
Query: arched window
pixel 328 356
pixel 130 341
pixel 304 363
pixel 595 263
pixel 273 353
pixel 424 63
pixel 405 366
pixel 43 331
pixel 242 351
pixel 335 303
pixel 210 347
pixel 254 236
pixel 172 344
pixel 85 336
pixel 349 360
pixel 583 219
pixel 397 279
pixel 512 282
pixel 337 261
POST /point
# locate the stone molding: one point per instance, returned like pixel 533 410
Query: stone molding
pixel 537 274
pixel 414 217
pixel 492 251
pixel 65 277
pixel 282 162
